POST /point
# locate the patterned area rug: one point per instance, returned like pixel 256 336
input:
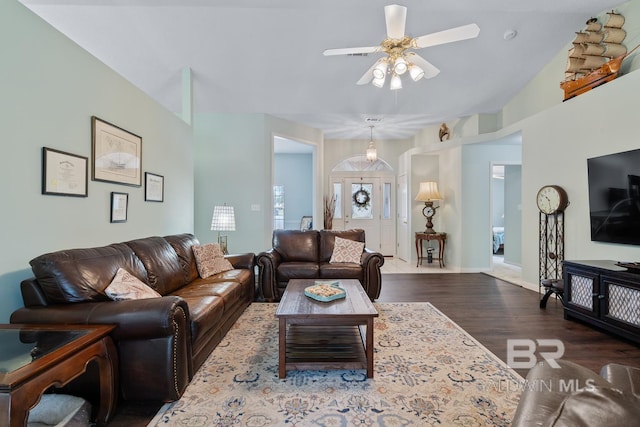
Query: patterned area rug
pixel 428 371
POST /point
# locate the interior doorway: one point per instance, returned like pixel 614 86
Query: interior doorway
pixel 506 213
pixel 294 183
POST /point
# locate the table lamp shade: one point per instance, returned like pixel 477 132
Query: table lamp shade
pixel 428 192
pixel 223 218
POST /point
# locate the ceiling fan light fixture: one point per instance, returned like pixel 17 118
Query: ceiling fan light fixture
pixel 380 70
pixel 396 82
pixel 400 66
pixel 415 72
pixel 378 82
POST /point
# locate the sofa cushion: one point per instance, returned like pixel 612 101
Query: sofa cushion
pixel 210 260
pixel 597 406
pixel 161 262
pixel 297 270
pixel 328 238
pixel 125 286
pixel 296 246
pixel 182 244
pixel 341 271
pixel 78 275
pixel 346 251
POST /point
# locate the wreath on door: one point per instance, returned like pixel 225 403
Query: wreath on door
pixel 361 198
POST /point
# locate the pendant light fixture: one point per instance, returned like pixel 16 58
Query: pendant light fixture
pixel 372 153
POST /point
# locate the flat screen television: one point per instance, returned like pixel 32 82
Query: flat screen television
pixel 614 197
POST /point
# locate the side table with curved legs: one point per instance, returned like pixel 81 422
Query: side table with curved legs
pixel 440 237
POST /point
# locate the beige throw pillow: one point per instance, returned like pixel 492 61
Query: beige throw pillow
pixel 210 260
pixel 126 286
pixel 345 250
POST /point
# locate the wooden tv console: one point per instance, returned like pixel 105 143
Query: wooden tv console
pixel 603 294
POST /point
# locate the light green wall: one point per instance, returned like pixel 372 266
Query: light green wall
pixel 49 89
pixel 294 173
pixel 555 146
pixel 234 165
pixel 513 214
pixel 477 162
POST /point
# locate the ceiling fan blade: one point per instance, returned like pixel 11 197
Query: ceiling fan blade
pixel 430 70
pixel 351 50
pixel 395 16
pixel 447 36
pixel 368 76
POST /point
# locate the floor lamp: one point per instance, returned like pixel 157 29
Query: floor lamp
pixel 223 219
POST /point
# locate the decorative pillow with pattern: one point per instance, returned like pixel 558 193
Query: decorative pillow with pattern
pixel 125 286
pixel 210 260
pixel 345 250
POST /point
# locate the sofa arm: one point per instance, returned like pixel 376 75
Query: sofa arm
pixel 623 377
pixel 152 337
pixel 547 389
pixel 268 262
pixel 242 261
pixel 371 263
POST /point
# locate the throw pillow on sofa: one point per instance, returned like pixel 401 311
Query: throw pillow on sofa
pixel 345 250
pixel 210 260
pixel 126 286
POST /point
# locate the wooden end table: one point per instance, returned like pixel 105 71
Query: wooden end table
pixel 325 335
pixel 441 238
pixel 34 358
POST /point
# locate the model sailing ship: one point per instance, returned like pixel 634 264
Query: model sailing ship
pixel 596 55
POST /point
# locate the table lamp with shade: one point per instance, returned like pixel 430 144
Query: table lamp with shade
pixel 223 219
pixel 428 193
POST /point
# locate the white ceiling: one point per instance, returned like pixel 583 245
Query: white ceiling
pixel 265 56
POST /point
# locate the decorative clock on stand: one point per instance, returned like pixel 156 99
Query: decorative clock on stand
pixel 552 200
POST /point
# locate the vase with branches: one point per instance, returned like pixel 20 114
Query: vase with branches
pixel 329 208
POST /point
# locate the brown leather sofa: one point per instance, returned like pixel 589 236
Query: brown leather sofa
pixel 572 395
pixel 162 341
pixel 306 254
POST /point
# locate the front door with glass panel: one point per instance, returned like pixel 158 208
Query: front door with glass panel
pixel 362 209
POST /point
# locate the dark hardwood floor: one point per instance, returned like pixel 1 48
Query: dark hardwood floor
pixel 489 309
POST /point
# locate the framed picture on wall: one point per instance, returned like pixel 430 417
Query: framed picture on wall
pixel 64 174
pixel 153 187
pixel 119 206
pixel 116 154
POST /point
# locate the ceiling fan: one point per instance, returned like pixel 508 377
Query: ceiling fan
pixel 397 46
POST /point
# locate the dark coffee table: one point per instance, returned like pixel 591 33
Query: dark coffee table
pixel 34 358
pixel 325 335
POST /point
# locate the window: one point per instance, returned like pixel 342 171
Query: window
pixel 278 207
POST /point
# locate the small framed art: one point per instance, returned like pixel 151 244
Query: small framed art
pixel 153 187
pixel 115 153
pixel 64 174
pixel 119 206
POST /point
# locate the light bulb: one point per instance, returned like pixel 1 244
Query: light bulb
pixel 380 70
pixel 416 72
pixel 378 82
pixel 396 83
pixel 400 66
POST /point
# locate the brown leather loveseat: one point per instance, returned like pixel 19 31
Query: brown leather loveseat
pixel 306 255
pixel 160 341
